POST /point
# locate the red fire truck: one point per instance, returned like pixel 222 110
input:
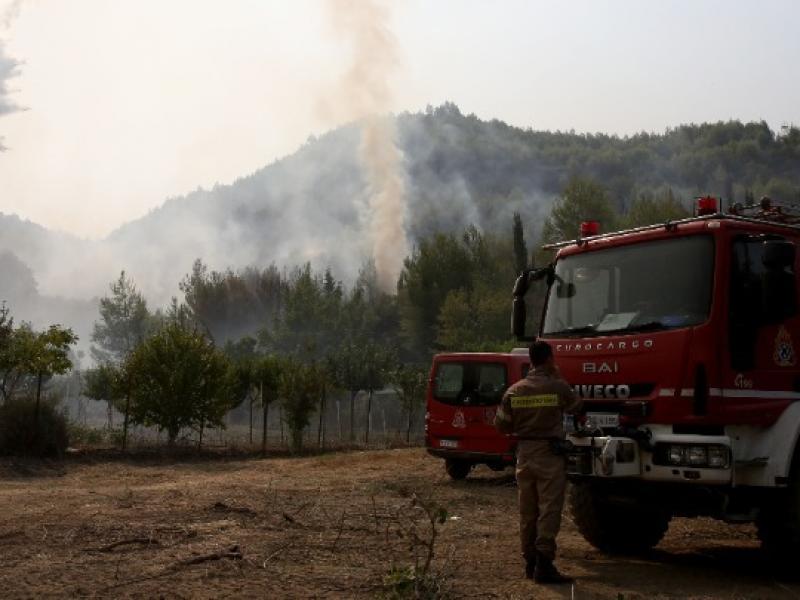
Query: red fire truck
pixel 681 337
pixel 463 393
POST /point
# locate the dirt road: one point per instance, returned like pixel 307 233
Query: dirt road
pixel 324 526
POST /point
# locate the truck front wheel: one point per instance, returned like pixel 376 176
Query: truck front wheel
pixel 778 526
pixel 612 527
pixel 457 469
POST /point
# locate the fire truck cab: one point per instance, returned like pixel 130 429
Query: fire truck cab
pixel 464 391
pixel 681 338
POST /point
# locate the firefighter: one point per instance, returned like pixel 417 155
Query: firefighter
pixel 532 410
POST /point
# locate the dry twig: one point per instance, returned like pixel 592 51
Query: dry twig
pixel 232 553
pixel 148 541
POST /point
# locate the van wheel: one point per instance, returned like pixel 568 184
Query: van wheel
pixel 615 528
pixel 457 469
pixel 778 526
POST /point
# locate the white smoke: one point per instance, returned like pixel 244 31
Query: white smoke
pixel 10 13
pixel 9 67
pixel 365 91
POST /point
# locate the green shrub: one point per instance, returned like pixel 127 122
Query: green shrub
pixel 22 435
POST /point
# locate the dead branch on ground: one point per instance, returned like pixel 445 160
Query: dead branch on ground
pixel 148 541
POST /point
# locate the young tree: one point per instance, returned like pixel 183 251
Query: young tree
pixel 581 200
pixel 409 382
pixel 440 264
pixel 243 356
pixel 475 321
pixel 267 375
pixel 9 373
pixel 300 386
pixel 124 324
pixel 378 362
pixel 41 355
pixel 648 209
pixel 105 383
pixel 48 355
pixel 180 380
pixel 348 366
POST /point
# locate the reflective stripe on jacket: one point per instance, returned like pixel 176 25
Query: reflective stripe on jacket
pixel 534 407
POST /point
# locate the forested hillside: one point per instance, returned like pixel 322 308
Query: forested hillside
pixel 460 171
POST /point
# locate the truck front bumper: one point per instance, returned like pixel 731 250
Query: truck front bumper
pixel 663 457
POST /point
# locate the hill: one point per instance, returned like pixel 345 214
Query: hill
pixel 459 170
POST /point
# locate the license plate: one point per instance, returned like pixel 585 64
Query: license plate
pixel 448 443
pixel 603 420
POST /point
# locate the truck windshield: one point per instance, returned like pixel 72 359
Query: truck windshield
pixel 641 287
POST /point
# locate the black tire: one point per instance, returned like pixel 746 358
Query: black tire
pixel 615 528
pixel 457 469
pixel 778 527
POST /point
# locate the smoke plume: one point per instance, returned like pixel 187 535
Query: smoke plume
pixel 10 13
pixel 8 69
pixel 366 90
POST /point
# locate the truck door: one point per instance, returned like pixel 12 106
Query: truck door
pixel 763 328
pixel 465 395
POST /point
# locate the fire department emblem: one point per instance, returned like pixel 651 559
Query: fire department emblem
pixel 488 415
pixel 459 422
pixel 784 355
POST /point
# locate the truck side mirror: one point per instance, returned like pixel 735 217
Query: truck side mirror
pixel 519 316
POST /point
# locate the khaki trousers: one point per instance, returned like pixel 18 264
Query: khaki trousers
pixel 542 484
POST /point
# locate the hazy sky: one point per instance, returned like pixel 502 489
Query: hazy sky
pixel 132 101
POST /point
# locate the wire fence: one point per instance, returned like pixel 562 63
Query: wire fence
pixel 386 423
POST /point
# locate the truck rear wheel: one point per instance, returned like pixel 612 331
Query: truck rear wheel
pixel 457 468
pixel 615 528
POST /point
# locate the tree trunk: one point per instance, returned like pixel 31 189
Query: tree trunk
pixel 36 409
pixel 408 429
pixel 339 416
pixel 251 418
pixel 280 420
pixel 200 439
pixel 369 416
pixel 321 428
pixel 297 440
pixel 125 421
pixel 265 420
pixel 353 394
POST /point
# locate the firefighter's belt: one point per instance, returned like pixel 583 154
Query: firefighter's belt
pixel 536 401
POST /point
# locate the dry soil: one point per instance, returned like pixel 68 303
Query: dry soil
pixel 332 525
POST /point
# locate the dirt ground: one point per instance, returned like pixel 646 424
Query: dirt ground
pixel 331 525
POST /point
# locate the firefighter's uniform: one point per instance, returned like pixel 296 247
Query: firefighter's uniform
pixel 532 409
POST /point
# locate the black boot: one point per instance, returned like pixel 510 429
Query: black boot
pixel 530 566
pixel 546 572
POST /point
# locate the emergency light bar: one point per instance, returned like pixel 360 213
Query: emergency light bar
pixel 590 228
pixel 706 205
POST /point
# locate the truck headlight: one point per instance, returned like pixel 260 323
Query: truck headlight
pixel 697 456
pixel 718 457
pixel 675 455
